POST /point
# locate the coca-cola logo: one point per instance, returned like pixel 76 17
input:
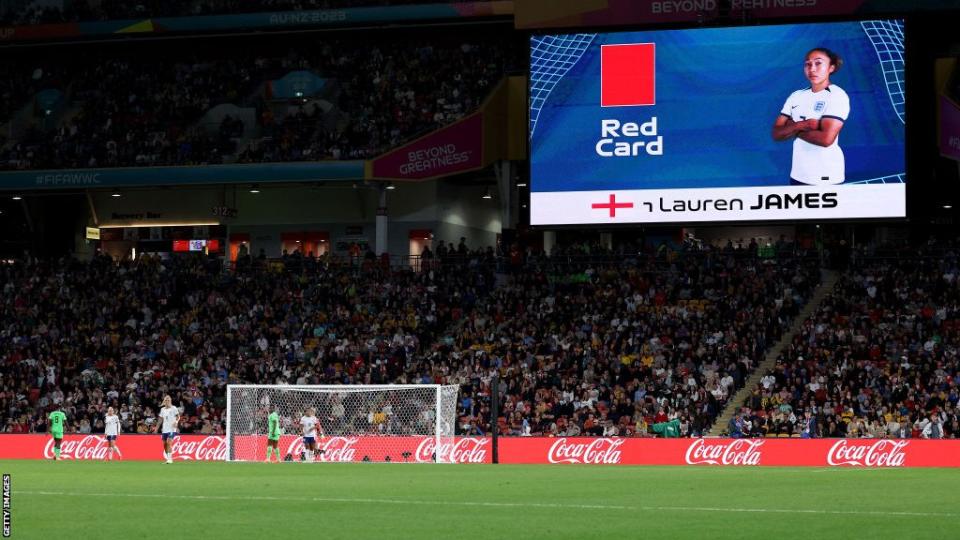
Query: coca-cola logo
pixel 736 452
pixel 881 453
pixel 333 449
pixel 89 447
pixel 211 448
pixel 597 451
pixel 462 450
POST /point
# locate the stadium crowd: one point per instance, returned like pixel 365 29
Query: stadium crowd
pixel 614 349
pixel 105 10
pixel 140 108
pixel 879 358
pixel 581 346
pixel 88 335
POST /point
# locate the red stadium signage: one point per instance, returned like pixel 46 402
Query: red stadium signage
pixel 949 128
pixel 133 447
pixel 590 451
pixel 551 14
pixel 356 448
pixel 214 448
pixel 733 452
pixel 869 453
pixel 449 150
pixel 881 453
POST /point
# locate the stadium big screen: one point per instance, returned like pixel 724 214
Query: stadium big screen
pixel 800 121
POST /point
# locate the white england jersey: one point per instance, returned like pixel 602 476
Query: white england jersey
pixel 169 416
pixel 111 424
pixel 309 424
pixel 813 164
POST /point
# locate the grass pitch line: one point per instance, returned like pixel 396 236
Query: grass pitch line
pixel 798 511
pixel 499 504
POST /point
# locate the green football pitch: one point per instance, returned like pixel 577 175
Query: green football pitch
pixel 74 500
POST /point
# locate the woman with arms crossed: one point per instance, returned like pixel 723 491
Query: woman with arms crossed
pixel 813 117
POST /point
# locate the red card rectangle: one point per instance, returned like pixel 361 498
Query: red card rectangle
pixel 628 75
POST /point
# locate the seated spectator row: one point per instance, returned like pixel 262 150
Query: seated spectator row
pixel 105 10
pixel 147 106
pixel 878 359
pixel 88 335
pixel 611 350
pixel 581 347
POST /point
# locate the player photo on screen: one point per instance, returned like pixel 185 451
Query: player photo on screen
pixel 812 118
pixel 675 126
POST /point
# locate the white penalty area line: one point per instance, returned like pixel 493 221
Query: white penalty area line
pixel 496 504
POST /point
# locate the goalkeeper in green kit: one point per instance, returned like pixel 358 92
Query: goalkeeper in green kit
pixel 57 420
pixel 273 434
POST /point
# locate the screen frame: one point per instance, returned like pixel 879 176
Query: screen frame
pixel 909 107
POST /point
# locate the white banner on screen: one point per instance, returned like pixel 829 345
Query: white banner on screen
pixel 717 204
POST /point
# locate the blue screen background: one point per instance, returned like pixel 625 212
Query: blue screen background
pixel 718 92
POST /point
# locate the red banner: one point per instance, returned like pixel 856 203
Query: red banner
pixel 550 14
pixel 40 31
pixel 453 149
pixel 132 447
pixel 249 447
pixel 533 450
pixel 949 128
pixel 774 452
pixel 367 448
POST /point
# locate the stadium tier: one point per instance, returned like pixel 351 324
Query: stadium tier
pixel 582 347
pixel 26 13
pixel 338 99
pixel 878 358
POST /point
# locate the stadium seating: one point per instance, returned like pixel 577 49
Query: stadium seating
pixel 82 10
pixel 878 359
pixel 610 349
pixel 602 345
pixel 152 108
pixel 599 344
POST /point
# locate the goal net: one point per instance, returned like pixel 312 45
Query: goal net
pixel 378 423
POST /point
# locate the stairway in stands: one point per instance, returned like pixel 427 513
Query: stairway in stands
pixel 829 279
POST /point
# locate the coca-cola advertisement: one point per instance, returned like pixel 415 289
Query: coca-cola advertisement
pixel 458 450
pixel 367 448
pixel 596 451
pixel 872 453
pixel 132 447
pixel 732 452
pixel 253 448
pixel 724 452
pixel 880 453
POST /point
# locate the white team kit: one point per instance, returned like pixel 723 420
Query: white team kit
pixel 309 424
pixel 169 416
pixel 812 164
pixel 111 423
pixel 111 429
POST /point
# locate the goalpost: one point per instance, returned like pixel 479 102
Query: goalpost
pixel 377 423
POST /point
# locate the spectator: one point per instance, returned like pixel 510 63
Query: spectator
pixel 145 107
